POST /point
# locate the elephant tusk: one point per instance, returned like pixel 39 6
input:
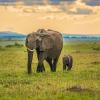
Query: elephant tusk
pixel 30 49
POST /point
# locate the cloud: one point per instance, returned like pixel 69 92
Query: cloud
pixel 84 11
pixel 80 11
pixel 92 2
pixel 68 0
pixel 85 2
pixel 7 0
pixel 78 7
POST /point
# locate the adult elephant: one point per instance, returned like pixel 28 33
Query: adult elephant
pixel 48 45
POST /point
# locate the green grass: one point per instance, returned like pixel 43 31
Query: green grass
pixel 81 83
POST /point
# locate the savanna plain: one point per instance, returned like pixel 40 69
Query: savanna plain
pixel 81 83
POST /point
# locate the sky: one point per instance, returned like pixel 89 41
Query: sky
pixel 86 15
pixel 87 2
pixel 81 16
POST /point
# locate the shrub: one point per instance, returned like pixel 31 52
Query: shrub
pixel 18 44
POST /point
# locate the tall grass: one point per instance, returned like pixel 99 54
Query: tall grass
pixel 81 83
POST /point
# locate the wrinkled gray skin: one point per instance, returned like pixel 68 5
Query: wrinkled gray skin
pixel 48 45
pixel 67 62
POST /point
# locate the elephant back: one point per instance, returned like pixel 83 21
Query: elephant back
pixel 50 39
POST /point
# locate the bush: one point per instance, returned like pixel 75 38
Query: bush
pixel 96 48
pixel 18 44
pixel 9 45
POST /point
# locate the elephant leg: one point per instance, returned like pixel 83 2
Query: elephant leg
pixel 69 67
pixel 64 66
pixel 54 65
pixel 43 69
pixel 40 67
pixel 49 60
pixel 30 56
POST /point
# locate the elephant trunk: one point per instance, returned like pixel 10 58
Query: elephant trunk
pixel 30 57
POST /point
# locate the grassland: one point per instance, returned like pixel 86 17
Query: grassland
pixel 81 83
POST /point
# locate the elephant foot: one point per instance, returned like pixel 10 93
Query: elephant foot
pixel 68 69
pixel 43 69
pixel 40 69
pixel 53 69
pixel 29 71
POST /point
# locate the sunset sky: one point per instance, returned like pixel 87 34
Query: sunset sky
pixel 72 16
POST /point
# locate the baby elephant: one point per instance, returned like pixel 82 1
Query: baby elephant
pixel 67 62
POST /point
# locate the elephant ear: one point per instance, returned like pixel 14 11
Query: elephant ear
pixel 46 43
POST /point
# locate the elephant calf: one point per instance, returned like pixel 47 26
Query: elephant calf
pixel 67 62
